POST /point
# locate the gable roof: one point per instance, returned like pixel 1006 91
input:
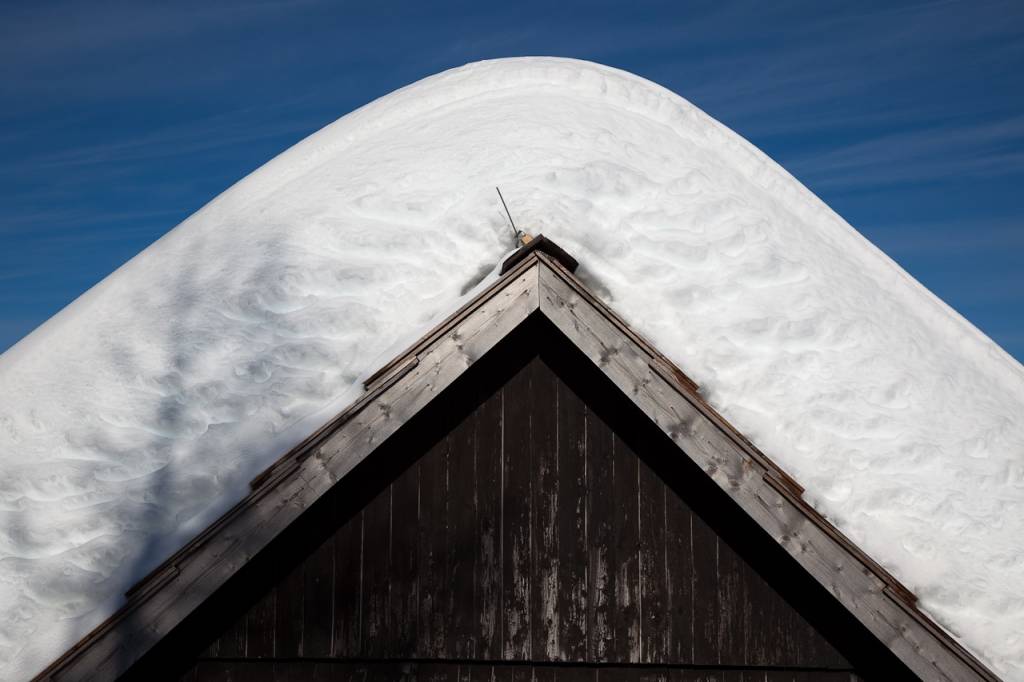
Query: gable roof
pixel 537 280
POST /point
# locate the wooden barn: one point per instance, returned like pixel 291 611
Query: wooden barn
pixel 530 492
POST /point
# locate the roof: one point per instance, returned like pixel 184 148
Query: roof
pixel 139 414
pixel 537 284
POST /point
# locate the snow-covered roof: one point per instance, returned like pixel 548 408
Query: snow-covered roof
pixel 138 414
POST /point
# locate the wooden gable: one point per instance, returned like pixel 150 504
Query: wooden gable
pixel 530 490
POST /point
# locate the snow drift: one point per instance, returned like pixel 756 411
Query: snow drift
pixel 138 414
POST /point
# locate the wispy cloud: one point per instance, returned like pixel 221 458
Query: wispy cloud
pixel 88 223
pixel 222 131
pixel 970 149
pixel 980 234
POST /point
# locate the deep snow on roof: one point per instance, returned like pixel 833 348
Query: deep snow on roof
pixel 138 414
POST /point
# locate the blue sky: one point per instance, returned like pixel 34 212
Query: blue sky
pixel 119 119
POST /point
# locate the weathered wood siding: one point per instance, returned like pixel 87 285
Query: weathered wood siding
pixel 531 520
pixel 327 671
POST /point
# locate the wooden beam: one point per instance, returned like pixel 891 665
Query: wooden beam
pixel 864 593
pixel 540 244
pixel 111 649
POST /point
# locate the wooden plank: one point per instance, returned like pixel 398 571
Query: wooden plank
pixel 212 649
pixel 741 477
pixel 294 671
pixel 526 269
pixel 405 533
pixel 259 627
pixel 434 672
pixel 625 553
pixel 601 576
pixel 488 569
pixel 577 674
pixel 543 674
pixel 522 674
pixel 288 606
pixel 375 671
pixel 679 566
pixel 618 674
pixel 517 476
pixel 318 602
pixel 230 671
pixel 501 673
pixel 545 624
pixel 232 640
pixel 348 590
pixel 572 519
pixel 733 606
pixel 376 575
pixel 652 675
pixel 706 607
pixel 433 581
pixel 462 542
pixel 654 594
pixel 213 671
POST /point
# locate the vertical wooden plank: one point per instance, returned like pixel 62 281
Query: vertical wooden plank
pixel 600 576
pixel 318 602
pixel 679 579
pixel 232 640
pixel 380 671
pixel 259 627
pixel 355 672
pixel 572 532
pixel 212 650
pixel 501 673
pixel 433 583
pixel 488 569
pixel 462 542
pixel 626 552
pixel 654 610
pixel 733 611
pixel 405 533
pixel 652 675
pixel 516 559
pixel 574 674
pixel 680 675
pixel 213 671
pixel 769 639
pixel 544 615
pixel 253 671
pixel 376 577
pixel 288 605
pixel 705 593
pixel 294 671
pixel 613 674
pixel 433 672
pixel 522 673
pixel 544 674
pixel 348 590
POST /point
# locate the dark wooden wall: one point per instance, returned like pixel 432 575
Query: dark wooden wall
pixel 266 671
pixel 530 521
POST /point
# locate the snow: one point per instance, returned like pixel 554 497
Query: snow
pixel 138 414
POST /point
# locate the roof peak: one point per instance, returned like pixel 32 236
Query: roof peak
pixel 541 244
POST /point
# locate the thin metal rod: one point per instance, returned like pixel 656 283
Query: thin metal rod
pixel 509 214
